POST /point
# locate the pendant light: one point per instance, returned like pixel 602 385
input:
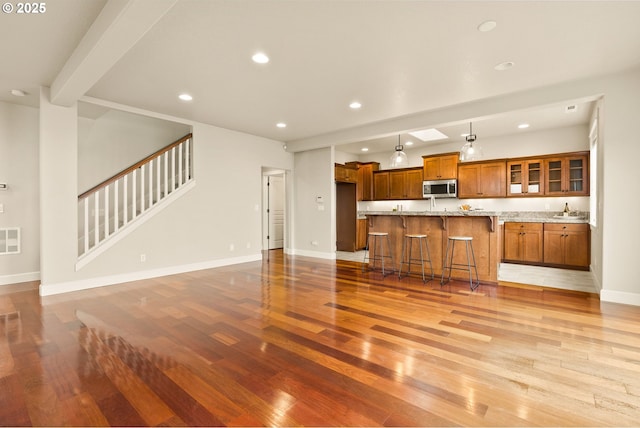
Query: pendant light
pixel 399 157
pixel 470 151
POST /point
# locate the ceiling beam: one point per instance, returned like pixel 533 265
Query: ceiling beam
pixel 120 25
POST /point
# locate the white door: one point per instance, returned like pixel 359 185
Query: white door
pixel 275 211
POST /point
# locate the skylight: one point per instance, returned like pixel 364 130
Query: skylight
pixel 431 134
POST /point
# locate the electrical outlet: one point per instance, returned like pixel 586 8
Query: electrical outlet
pixel 1 208
pixel 231 247
pixel 143 258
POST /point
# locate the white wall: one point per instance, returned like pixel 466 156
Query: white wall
pixel 19 170
pixel 314 226
pixel 116 139
pixel 621 151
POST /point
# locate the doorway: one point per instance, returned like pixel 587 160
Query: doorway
pixel 274 212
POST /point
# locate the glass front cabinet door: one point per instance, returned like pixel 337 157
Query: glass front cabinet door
pixel 525 178
pixel 567 176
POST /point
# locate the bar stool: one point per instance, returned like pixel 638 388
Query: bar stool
pixel 378 241
pixel 468 241
pixel 409 239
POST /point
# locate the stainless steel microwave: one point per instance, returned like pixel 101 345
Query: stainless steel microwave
pixel 440 189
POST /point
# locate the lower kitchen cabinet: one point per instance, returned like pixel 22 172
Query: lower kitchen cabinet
pixel 567 244
pixel 362 229
pixel 550 244
pixel 523 242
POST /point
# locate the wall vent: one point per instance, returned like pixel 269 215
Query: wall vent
pixel 9 240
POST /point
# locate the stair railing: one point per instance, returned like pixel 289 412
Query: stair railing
pixel 111 205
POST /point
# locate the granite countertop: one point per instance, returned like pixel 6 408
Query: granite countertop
pixel 503 216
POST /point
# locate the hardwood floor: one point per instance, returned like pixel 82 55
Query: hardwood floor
pixel 301 341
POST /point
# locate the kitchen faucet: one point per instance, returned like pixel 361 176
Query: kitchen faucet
pixel 432 202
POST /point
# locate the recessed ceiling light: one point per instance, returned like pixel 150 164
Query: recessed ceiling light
pixel 281 125
pixel 523 126
pixel 185 97
pixel 355 105
pixel 487 26
pixel 430 134
pixel 409 143
pixel 464 135
pixel 18 93
pixel 364 149
pixel 260 58
pixel 504 65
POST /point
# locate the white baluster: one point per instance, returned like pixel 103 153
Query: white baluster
pixel 166 174
pixel 116 206
pixel 150 183
pixel 125 199
pixel 187 162
pixel 173 169
pixel 96 218
pixel 158 179
pixel 106 211
pixel 134 194
pixel 143 184
pixel 180 177
pixel 86 224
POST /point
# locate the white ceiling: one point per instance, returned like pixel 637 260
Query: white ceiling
pixel 396 57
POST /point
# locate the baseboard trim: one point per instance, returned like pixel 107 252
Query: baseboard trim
pixel 85 284
pixel 612 296
pixel 19 277
pixel 316 254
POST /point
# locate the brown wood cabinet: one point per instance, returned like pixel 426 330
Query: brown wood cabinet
pixel 362 229
pixel 345 173
pixel 567 175
pixel 482 180
pixel 364 182
pixel 567 244
pixel 398 184
pixel 523 242
pixel 440 167
pixel 380 185
pixel 525 177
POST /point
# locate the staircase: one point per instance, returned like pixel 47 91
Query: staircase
pixel 119 204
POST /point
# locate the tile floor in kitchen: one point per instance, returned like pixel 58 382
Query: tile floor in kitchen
pixel 534 275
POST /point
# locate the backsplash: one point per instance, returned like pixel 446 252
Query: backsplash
pixel 551 204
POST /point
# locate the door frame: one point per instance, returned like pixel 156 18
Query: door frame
pixel 285 174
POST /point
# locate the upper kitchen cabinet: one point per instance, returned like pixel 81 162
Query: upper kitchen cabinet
pixel 364 183
pixel 567 175
pixel 405 184
pixel 381 185
pixel 482 180
pixel 397 184
pixel 345 173
pixel 525 177
pixel 440 167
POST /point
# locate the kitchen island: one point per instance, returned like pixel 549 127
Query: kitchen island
pixel 483 226
pixel 438 226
